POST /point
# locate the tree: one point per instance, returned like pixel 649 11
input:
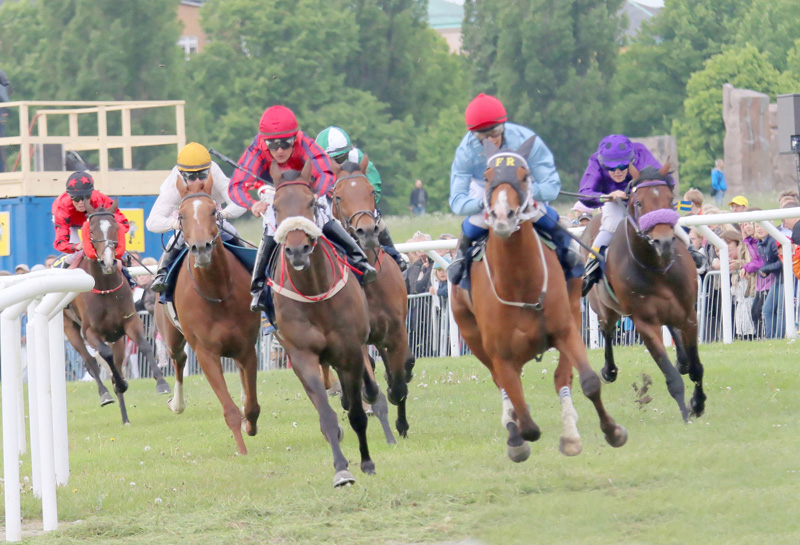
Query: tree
pixel 652 74
pixel 771 26
pixel 550 64
pixel 700 132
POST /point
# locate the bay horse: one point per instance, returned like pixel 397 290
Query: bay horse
pixel 354 205
pixel 321 312
pixel 654 281
pixel 519 307
pixel 107 313
pixel 212 303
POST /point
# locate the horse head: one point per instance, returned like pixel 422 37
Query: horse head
pixel 198 218
pixel 354 202
pixel 103 233
pixel 294 206
pixel 651 206
pixel 507 169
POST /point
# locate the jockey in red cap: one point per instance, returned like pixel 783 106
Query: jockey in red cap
pixel 281 140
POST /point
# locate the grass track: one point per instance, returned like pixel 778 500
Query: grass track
pixel 731 477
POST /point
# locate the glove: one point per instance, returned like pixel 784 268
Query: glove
pixel 266 193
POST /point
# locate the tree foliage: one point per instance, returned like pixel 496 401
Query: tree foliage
pixel 701 131
pixel 550 64
pixel 772 27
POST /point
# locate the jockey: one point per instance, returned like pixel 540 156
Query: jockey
pixel 194 163
pixel 337 145
pixel 486 118
pixel 280 139
pixel 604 184
pixel 69 215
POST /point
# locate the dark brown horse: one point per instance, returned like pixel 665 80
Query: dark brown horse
pixel 107 313
pixel 519 307
pixel 354 206
pixel 654 281
pixel 321 312
pixel 212 303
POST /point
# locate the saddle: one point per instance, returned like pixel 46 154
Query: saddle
pixel 246 256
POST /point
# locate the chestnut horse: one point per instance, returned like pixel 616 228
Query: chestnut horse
pixel 321 312
pixel 519 307
pixel 212 303
pixel 354 205
pixel 107 313
pixel 654 281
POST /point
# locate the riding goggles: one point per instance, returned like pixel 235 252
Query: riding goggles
pixel 191 176
pixel 492 132
pixel 279 143
pixel 618 167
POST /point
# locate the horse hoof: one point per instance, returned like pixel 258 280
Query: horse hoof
pixel 106 399
pixel 618 437
pixel 683 367
pixel 368 468
pixel 520 453
pixel 698 407
pixel 122 387
pixel 175 407
pixel 163 388
pixel 343 478
pixel 609 375
pixel 570 446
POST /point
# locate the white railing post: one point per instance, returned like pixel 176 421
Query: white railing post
pixel 725 281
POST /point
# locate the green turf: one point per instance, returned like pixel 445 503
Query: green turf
pixel 730 477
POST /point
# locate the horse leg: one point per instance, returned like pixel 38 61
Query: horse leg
pixel 176 343
pixel 120 385
pixel 397 389
pixel 378 404
pixel 73 334
pixel 135 330
pixel 609 370
pixel 689 338
pixel 212 368
pixel 370 391
pixel 573 352
pixel 509 377
pixel 248 369
pixel 683 359
pixel 651 335
pixel 358 418
pixel 306 366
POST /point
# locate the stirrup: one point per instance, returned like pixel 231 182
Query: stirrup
pixel 256 305
pixel 368 273
pixel 159 283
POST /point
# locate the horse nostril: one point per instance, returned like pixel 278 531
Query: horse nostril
pixel 360 232
pixel 375 229
pixel 306 248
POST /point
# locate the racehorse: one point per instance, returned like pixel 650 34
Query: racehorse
pixel 354 205
pixel 321 312
pixel 106 313
pixel 212 303
pixel 519 307
pixel 654 281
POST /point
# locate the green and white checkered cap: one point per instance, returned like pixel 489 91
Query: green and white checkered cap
pixel 334 141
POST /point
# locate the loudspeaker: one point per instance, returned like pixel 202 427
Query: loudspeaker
pixel 789 123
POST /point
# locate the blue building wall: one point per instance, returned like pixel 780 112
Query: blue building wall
pixel 30 231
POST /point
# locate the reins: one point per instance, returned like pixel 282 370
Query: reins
pixel 634 223
pixel 296 295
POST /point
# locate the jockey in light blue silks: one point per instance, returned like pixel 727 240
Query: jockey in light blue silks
pixel 486 118
pixel 604 184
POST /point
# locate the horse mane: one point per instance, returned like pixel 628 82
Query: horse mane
pixel 289 176
pixel 651 173
pixel 350 167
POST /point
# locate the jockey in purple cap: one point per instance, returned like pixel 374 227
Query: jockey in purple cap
pixel 604 184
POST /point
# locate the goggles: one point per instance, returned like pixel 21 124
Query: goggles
pixel 618 167
pixel 191 176
pixel 279 143
pixel 495 131
pixel 78 198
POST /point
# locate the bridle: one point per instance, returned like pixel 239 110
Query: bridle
pixel 642 224
pixel 218 219
pixel 112 243
pixel 348 220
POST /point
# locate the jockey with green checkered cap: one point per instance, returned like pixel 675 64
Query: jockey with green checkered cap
pixel 339 148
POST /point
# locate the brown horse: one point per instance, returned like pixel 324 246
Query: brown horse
pixel 212 303
pixel 654 281
pixel 321 312
pixel 519 307
pixel 107 313
pixel 354 206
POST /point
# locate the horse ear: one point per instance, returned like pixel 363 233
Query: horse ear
pixel 182 186
pixel 275 173
pixel 362 166
pixel 522 173
pixel 114 205
pixel 335 168
pixel 490 148
pixel 489 174
pixel 89 208
pixel 527 146
pixel 634 172
pixel 208 184
pixel 664 170
pixel 305 174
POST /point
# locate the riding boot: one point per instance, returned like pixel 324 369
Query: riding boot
pixel 385 240
pixel 160 281
pixel 265 250
pixel 456 269
pixel 592 273
pixel 131 282
pixel 337 234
